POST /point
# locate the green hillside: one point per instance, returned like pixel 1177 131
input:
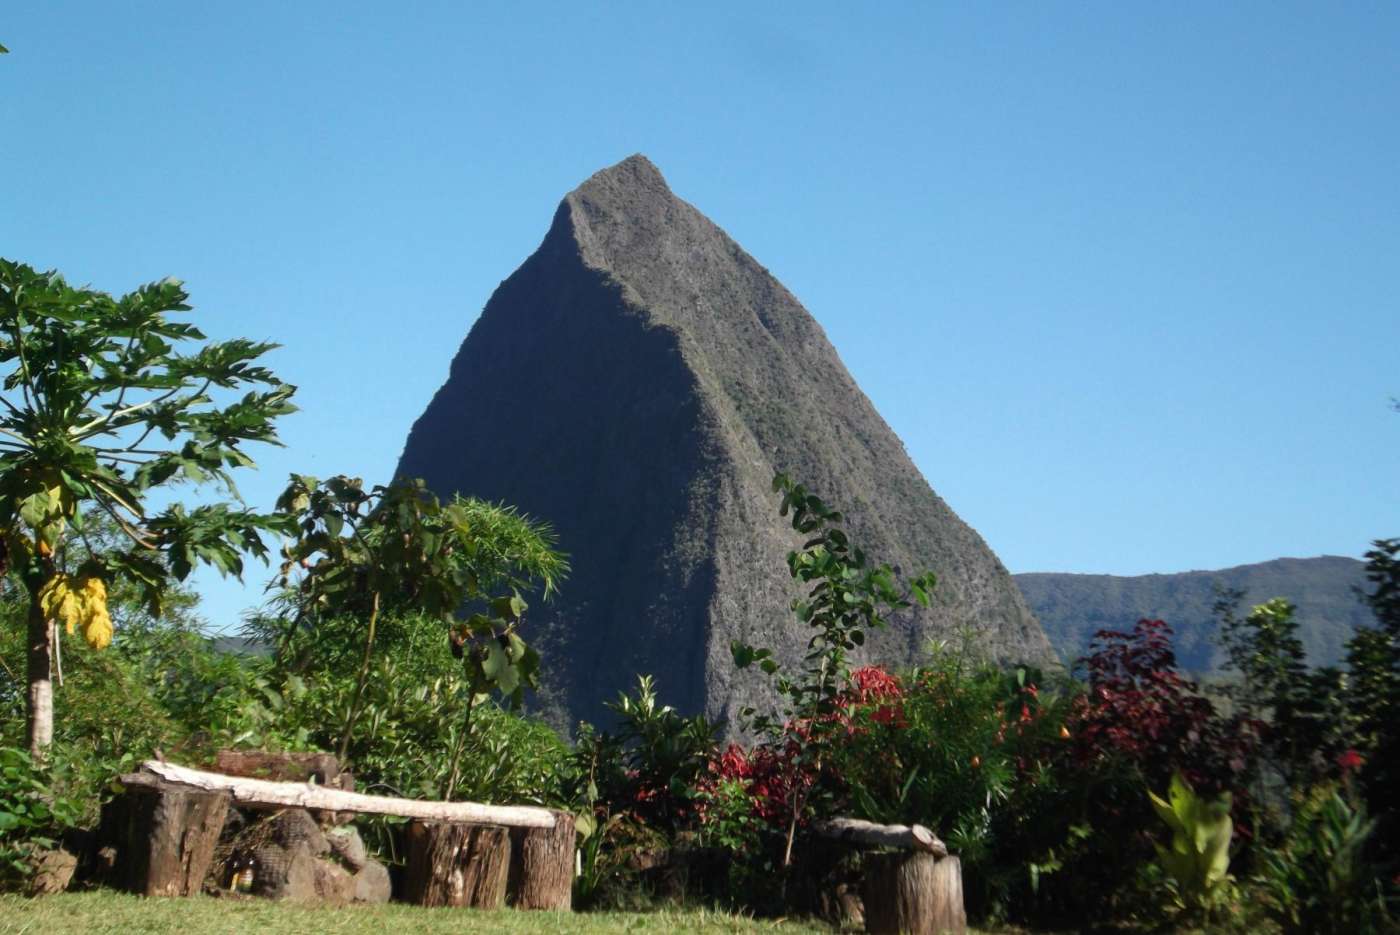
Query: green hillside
pixel 1072 607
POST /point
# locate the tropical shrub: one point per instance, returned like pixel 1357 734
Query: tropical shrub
pixel 1197 861
pixel 1301 713
pixel 1320 881
pixel 34 813
pixel 1139 709
pixel 362 554
pixel 662 754
pixel 407 740
pixel 1373 658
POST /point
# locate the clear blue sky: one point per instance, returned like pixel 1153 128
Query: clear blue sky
pixel 1124 277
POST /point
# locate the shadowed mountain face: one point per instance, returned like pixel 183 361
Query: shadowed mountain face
pixel 1073 607
pixel 637 382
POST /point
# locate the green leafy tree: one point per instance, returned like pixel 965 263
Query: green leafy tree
pixel 847 597
pixel 397 550
pixel 1303 711
pixel 1373 657
pixel 101 408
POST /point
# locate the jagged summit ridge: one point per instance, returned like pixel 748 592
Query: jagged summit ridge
pixel 637 382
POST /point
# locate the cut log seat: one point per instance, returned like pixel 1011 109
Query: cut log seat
pixel 265 793
pixel 912 885
pixel 459 853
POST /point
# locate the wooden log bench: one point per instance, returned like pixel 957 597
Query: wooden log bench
pixel 459 853
pixel 911 884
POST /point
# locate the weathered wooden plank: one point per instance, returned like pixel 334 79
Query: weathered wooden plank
pixel 870 834
pixel 268 794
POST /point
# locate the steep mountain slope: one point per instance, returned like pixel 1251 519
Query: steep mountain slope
pixel 1071 607
pixel 637 382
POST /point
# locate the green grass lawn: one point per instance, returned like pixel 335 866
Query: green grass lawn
pixel 104 911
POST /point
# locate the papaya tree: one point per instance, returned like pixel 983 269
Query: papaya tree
pixel 105 404
pixel 396 549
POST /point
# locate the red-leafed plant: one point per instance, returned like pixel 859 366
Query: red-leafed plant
pixel 1140 710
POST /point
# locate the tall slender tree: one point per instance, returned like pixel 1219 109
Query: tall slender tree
pixel 104 402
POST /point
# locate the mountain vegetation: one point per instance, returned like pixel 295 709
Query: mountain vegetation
pixel 1326 592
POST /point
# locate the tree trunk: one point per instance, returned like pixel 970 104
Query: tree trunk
pixel 455 864
pixel 542 865
pixel 915 893
pixel 40 722
pixel 170 835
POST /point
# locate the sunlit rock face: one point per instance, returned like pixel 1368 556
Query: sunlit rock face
pixel 637 382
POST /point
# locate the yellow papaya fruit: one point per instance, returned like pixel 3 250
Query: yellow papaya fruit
pixel 97 622
pixel 98 628
pixel 94 589
pixel 61 603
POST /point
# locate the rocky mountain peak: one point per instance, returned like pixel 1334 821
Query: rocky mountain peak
pixel 637 383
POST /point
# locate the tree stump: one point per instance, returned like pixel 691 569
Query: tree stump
pixel 457 864
pixel 542 865
pixel 168 836
pixel 915 893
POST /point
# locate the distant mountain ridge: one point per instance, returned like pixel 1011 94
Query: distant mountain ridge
pixel 1071 607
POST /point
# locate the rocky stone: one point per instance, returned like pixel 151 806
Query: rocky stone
pixel 372 883
pixel 285 873
pixel 637 382
pixel 295 826
pixel 53 871
pixel 334 885
pixel 347 846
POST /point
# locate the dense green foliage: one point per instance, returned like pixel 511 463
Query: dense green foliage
pixel 1319 881
pixel 1044 785
pixel 362 554
pixel 33 814
pixel 100 411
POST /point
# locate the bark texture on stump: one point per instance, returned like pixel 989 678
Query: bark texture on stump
pixel 915 893
pixel 169 836
pixel 455 864
pixel 542 865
